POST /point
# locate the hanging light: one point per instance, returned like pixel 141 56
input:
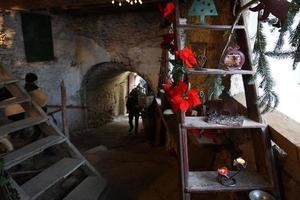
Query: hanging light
pixel 131 2
pixel 2 38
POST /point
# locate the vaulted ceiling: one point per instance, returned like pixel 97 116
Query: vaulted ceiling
pixel 76 6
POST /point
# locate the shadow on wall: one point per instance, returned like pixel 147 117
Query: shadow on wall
pixel 104 90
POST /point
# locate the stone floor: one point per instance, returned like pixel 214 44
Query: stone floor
pixel 135 169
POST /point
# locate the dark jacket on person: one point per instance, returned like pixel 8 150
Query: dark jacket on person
pixel 132 103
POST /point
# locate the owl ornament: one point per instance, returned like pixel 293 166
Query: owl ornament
pixel 234 58
pixel 278 8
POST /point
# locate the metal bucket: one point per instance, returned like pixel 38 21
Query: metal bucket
pixel 260 195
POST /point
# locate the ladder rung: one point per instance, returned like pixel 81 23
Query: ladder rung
pixel 28 151
pixel 219 71
pixel 208 27
pixel 206 181
pixel 19 95
pixel 35 117
pixel 90 188
pixel 19 125
pixel 47 178
pixel 199 122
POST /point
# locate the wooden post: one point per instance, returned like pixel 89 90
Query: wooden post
pixel 63 109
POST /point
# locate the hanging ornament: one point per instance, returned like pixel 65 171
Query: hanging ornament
pixel 278 8
pixel 203 8
pixel 234 59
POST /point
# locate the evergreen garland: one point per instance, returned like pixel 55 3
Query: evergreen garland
pixel 6 190
pixel 269 99
pixel 294 39
pixel 178 70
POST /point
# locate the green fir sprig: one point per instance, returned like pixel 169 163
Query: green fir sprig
pixel 294 39
pixel 269 99
pixel 178 70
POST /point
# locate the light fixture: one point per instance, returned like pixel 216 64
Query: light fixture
pixel 2 38
pixel 131 2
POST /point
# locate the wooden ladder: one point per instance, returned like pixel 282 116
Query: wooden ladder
pixel 265 177
pixel 92 185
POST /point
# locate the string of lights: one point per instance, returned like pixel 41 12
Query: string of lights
pixel 131 2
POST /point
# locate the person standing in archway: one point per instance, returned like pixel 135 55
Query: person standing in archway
pixel 133 109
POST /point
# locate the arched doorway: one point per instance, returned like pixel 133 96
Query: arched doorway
pixel 104 90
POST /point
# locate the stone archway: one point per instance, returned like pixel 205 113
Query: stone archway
pixel 104 90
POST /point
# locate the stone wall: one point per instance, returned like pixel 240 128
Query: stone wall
pixel 104 91
pixel 131 39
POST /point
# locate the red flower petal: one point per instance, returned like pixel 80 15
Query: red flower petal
pixel 182 87
pixel 184 105
pixel 176 99
pixel 169 9
pixel 223 171
pixel 193 98
pixel 187 56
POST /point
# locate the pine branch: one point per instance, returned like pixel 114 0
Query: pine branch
pixel 287 26
pixel 268 100
pixel 280 54
pixel 296 57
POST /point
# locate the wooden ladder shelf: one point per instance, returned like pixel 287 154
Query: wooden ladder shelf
pixel 206 181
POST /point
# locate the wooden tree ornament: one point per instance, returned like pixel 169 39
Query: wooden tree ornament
pixel 278 8
pixel 203 8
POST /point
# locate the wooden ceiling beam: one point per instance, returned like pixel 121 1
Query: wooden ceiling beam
pixel 54 4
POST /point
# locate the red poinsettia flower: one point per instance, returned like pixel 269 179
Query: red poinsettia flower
pixel 179 103
pixel 168 42
pixel 223 171
pixel 181 98
pixel 168 11
pixel 187 56
pixel 193 98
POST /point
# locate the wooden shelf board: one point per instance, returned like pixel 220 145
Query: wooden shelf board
pixel 50 176
pixel 206 181
pixel 13 158
pixel 208 27
pixel 219 71
pixel 90 188
pixel 199 122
